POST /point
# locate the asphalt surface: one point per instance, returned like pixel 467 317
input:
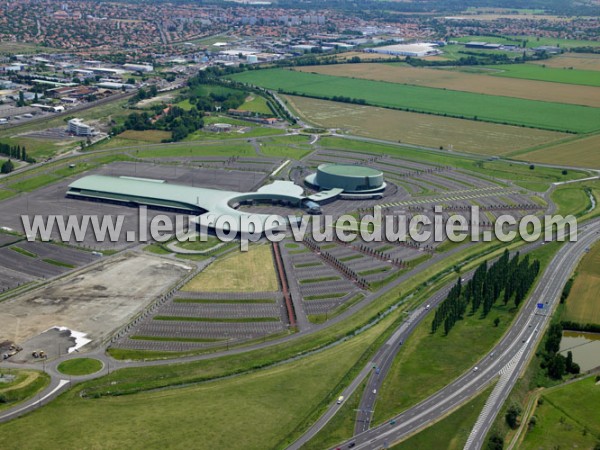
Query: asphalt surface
pixel 508 358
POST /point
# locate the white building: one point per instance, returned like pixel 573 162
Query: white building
pixel 139 67
pixel 413 50
pixel 78 128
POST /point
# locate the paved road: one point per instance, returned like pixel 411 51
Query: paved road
pixel 547 292
pixel 510 356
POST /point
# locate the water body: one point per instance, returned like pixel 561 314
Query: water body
pixel 585 348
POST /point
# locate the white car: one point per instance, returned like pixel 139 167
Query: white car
pixel 475 369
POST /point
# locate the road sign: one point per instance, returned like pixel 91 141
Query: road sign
pixel 540 306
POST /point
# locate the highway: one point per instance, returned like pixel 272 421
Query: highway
pixel 506 361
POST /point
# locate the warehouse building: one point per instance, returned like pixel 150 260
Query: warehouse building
pixel 413 50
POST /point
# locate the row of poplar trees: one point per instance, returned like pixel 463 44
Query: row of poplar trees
pixel 15 152
pixel 508 278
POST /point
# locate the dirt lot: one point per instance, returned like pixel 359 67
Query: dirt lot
pixel 469 82
pixel 95 301
pixel 421 129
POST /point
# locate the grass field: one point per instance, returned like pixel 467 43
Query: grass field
pixel 463 81
pixel 256 104
pixel 581 61
pixel 265 407
pixel 420 129
pixel 532 41
pixel 152 136
pixel 584 152
pixel 568 418
pixel 26 384
pixel 571 199
pixel 80 366
pixel 583 306
pixel 181 149
pixel 555 116
pixel 251 271
pixel 452 432
pixel 552 74
pixel 38 148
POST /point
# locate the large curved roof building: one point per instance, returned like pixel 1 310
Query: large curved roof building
pixel 353 179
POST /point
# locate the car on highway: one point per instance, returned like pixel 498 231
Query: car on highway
pixel 351 444
pixel 374 391
pixel 475 369
pixel 340 399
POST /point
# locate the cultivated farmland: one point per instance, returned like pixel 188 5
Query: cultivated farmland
pixel 540 73
pixel 462 81
pixel 583 152
pixel 582 61
pixel 582 306
pixel 554 116
pixel 420 129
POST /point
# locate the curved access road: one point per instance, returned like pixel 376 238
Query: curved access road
pixel 505 362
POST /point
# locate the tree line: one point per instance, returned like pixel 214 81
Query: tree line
pixel 508 278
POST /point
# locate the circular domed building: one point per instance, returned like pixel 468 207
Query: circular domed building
pixel 353 179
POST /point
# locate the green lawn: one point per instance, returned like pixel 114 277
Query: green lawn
pixel 80 366
pixel 287 152
pixel 26 384
pixel 258 105
pixel 567 418
pixel 537 114
pixel 190 149
pixel 261 406
pixel 340 427
pixel 571 199
pixel 541 73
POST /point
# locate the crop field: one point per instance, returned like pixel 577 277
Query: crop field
pixel 555 116
pixel 567 418
pixel 251 271
pixel 463 81
pixel 582 306
pixel 581 61
pixel 553 74
pixel 583 152
pixel 419 129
